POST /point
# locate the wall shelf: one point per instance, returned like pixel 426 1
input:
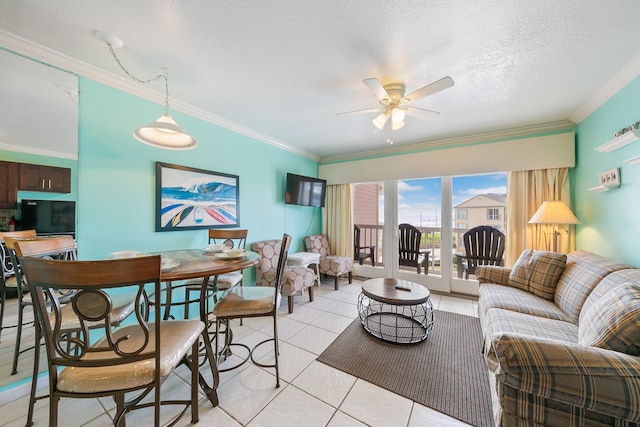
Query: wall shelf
pixel 624 139
pixel 634 161
pixel 599 188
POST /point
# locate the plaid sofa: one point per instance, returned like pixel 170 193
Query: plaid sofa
pixel 562 340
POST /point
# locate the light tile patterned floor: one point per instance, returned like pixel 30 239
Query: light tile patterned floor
pixel 311 393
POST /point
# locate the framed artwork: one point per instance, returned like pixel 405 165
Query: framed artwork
pixel 189 198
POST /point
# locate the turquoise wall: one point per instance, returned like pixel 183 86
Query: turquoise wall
pixel 610 220
pixel 116 187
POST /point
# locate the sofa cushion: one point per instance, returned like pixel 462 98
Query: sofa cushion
pixel 583 272
pixel 612 320
pixel 538 272
pixel 514 299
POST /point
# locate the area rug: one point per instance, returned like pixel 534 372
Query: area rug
pixel 446 372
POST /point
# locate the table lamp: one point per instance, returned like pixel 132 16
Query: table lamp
pixel 555 212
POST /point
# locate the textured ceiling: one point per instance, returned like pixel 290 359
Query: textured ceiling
pixel 283 69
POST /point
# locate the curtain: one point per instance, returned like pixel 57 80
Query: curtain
pixel 337 219
pixel 526 191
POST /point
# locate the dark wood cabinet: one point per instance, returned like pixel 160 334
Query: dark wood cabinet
pixel 44 178
pixel 8 185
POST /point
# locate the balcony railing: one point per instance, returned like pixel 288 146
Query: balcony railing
pixel 431 240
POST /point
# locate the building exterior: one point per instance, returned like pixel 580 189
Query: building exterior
pixel 483 209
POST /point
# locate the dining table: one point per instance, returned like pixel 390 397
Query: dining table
pixel 187 264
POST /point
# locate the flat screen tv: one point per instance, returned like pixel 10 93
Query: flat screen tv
pixel 304 190
pixel 49 216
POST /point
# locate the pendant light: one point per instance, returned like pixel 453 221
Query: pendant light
pixel 164 132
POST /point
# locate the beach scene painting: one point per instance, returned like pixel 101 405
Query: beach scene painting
pixel 189 198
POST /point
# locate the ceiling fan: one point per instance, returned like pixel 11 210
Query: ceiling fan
pixel 394 103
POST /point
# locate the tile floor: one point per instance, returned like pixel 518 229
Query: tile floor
pixel 311 393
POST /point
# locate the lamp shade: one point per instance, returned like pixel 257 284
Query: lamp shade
pixel 555 212
pixel 164 133
pixel 381 120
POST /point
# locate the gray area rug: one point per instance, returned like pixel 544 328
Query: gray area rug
pixel 445 372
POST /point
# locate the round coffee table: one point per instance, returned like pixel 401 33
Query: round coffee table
pixel 395 310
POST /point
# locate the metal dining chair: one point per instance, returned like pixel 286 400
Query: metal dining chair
pixel 253 301
pixel 128 362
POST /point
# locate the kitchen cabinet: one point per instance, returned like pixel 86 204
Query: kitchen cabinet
pixel 44 178
pixel 8 185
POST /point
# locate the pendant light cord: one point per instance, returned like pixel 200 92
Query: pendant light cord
pixel 164 76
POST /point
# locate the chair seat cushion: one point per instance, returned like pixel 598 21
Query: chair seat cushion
pixel 246 301
pixel 177 337
pixel 229 280
pixel 294 279
pixel 335 265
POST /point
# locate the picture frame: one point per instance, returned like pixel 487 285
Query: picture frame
pixel 189 198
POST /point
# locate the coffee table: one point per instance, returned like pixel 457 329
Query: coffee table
pixel 396 310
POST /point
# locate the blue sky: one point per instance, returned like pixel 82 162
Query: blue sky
pixel 419 199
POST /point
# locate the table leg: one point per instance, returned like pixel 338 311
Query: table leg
pixel 209 390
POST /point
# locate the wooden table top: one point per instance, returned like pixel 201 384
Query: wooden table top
pixel 386 291
pixel 195 263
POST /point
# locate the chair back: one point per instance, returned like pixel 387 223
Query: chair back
pixel 89 282
pixel 318 244
pixel 62 247
pixel 7 264
pixel 234 239
pixel 282 262
pixel 409 238
pixel 484 245
pixel 356 241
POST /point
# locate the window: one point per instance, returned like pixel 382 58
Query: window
pixel 493 214
pixel 463 225
pixel 461 215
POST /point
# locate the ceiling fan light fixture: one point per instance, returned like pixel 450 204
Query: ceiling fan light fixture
pixel 396 125
pixel 397 115
pixel 164 133
pixel 381 120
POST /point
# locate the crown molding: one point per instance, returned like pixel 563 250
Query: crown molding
pixel 66 63
pixel 620 80
pixel 39 152
pixel 453 142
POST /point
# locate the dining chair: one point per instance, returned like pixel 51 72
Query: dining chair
pixel 409 252
pixel 131 360
pixel 331 265
pixel 232 239
pixel 61 248
pixel 484 245
pixel 295 279
pixel 253 301
pixel 8 280
pixel 362 251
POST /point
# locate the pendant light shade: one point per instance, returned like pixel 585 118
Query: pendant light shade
pixel 380 120
pixel 164 133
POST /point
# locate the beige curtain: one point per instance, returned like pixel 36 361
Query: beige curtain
pixel 337 219
pixel 526 191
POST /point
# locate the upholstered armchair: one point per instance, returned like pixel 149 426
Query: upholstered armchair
pixel 294 279
pixel 330 265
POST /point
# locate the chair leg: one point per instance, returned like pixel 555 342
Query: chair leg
pixel 290 303
pixel 195 416
pixel 276 349
pixel 350 277
pixel 310 293
pixel 335 280
pixel 16 352
pixel 119 398
pixel 34 376
pixel 53 410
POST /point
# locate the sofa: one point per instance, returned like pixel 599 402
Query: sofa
pixel 562 340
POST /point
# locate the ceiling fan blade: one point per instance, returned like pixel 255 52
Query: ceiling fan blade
pixel 430 89
pixel 421 113
pixel 367 110
pixel 377 89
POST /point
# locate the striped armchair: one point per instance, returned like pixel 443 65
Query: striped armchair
pixel 294 279
pixel 330 265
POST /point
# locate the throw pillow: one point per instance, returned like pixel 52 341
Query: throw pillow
pixel 538 272
pixel 613 320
